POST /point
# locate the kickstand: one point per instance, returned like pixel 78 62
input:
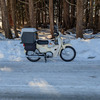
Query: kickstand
pixel 45 57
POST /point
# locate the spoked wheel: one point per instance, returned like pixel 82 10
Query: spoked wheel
pixel 32 56
pixel 68 54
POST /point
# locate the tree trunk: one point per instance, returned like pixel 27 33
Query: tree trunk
pixel 72 18
pixel 6 24
pixel 45 13
pixel 38 18
pixel 9 13
pixel 79 23
pixel 91 14
pixel 66 15
pixel 26 14
pixel 13 11
pixel 1 17
pixel 32 14
pixel 87 15
pixel 51 17
pixel 98 15
pixel 60 12
pixel 99 21
pixel 38 15
pixel 22 16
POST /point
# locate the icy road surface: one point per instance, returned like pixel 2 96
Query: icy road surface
pixel 54 80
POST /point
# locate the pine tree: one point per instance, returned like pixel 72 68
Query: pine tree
pixel 13 11
pixel 66 18
pixel 72 18
pixel 32 14
pixel 98 15
pixel 79 23
pixel 91 14
pixel 5 19
pixel 51 17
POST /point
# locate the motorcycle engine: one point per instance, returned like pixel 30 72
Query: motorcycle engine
pixel 49 54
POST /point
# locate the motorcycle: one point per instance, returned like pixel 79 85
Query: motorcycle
pixel 35 48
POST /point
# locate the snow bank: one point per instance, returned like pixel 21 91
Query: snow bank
pixel 11 50
pixel 87 50
pixel 2 37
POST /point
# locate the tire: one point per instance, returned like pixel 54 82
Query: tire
pixel 32 59
pixel 70 51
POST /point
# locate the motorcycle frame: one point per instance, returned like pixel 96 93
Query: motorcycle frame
pixel 55 49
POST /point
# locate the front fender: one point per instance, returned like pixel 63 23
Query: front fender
pixel 64 46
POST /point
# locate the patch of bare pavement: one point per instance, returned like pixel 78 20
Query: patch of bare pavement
pixel 49 81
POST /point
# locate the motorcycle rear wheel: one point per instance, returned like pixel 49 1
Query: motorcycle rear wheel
pixel 32 56
pixel 68 54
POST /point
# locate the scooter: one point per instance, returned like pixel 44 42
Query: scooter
pixel 51 48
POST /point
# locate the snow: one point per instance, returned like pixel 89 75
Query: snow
pixel 54 79
pixel 2 37
pixel 28 30
pixel 87 33
pixel 11 50
pixel 21 78
pixel 87 50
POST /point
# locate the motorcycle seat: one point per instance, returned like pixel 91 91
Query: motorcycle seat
pixel 42 42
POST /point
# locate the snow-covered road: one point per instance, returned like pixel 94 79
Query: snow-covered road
pixel 45 81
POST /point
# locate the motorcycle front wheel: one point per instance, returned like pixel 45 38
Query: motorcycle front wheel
pixel 68 54
pixel 32 56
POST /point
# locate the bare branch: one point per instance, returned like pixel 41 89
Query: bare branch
pixel 70 3
pixel 23 2
pixel 27 2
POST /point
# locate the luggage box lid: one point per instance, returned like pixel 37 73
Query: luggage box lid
pixel 28 35
pixel 28 30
